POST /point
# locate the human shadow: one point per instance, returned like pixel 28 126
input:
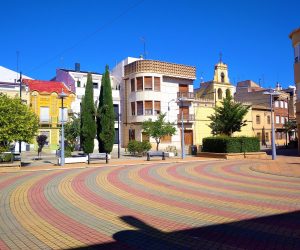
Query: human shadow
pixel 280 231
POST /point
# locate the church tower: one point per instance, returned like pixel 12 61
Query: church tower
pixel 219 87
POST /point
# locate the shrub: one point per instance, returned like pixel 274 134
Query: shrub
pixel 136 147
pixel 226 144
pixel 6 157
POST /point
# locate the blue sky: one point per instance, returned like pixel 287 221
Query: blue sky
pixel 252 35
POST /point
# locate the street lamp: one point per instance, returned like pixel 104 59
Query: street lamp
pixel 272 93
pixel 173 100
pixel 62 95
pixel 20 81
pixel 119 133
pixel 182 129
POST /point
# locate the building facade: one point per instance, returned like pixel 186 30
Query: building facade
pixel 76 81
pixel 209 95
pixel 149 88
pixel 45 102
pixel 295 37
pixel 251 92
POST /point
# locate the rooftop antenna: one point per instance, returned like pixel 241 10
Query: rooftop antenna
pixel 144 43
pixel 18 53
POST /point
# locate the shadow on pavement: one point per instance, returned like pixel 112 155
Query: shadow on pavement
pixel 270 232
pixel 284 151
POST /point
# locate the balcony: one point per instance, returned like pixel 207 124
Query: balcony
pixel 186 118
pixel 186 95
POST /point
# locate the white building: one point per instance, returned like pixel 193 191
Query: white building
pixel 148 88
pixel 76 81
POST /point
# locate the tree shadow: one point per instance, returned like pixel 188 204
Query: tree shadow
pixel 283 151
pixel 280 231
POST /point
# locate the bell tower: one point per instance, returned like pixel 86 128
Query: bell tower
pixel 221 72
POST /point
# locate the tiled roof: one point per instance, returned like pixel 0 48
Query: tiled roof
pixel 46 86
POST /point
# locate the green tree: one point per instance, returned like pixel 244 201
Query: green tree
pixel 72 132
pixel 158 129
pixel 105 116
pixel 17 121
pixel 228 118
pixel 289 127
pixel 88 128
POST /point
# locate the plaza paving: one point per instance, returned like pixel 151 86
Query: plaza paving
pixel 213 204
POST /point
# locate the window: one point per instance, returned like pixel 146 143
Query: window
pixel 228 93
pixel 222 77
pixel 145 137
pixel 281 104
pixel 132 85
pixel 285 105
pixel 219 94
pixel 44 114
pixel 297 52
pixel 148 82
pixel 277 119
pixel 267 137
pixel 258 135
pixel 95 85
pixel 166 139
pixel 156 83
pixel 156 107
pixel 116 136
pixel 148 107
pixel 258 119
pixel 65 114
pixel 276 104
pixel 116 111
pixel 282 120
pixel 78 83
pixel 140 108
pixel 278 135
pixel 269 119
pixel 131 133
pixel 133 108
pixel 139 83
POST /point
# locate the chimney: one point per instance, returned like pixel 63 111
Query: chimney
pixel 77 67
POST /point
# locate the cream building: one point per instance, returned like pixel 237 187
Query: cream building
pixel 208 96
pixel 295 37
pixel 149 88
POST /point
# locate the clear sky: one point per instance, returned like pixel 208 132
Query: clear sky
pixel 252 35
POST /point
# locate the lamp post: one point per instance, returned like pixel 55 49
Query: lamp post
pixel 62 95
pixel 119 133
pixel 182 129
pixel 272 93
pixel 173 100
pixel 20 80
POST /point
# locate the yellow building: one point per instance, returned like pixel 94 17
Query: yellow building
pixel 295 36
pixel 45 102
pixel 208 96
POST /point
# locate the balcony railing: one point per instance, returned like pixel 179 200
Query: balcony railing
pixel 186 118
pixel 186 95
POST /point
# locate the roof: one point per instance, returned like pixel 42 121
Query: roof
pixel 7 75
pixel 82 72
pixel 46 86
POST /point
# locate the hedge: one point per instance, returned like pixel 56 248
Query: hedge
pixel 226 144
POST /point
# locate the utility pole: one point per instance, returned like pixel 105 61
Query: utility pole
pixel 20 80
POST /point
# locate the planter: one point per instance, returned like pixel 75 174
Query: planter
pixel 80 159
pixel 227 156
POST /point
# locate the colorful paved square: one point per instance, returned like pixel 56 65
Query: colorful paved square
pixel 195 205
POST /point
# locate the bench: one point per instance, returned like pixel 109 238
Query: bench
pixel 98 156
pixel 155 154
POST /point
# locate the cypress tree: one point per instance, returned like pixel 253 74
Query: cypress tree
pixel 88 127
pixel 106 116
